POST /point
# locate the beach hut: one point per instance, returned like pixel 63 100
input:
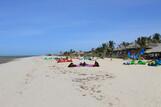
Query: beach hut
pixel 154 52
pixel 133 47
pixel 122 51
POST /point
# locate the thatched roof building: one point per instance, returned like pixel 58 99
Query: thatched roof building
pixel 122 51
pixel 131 46
pixel 134 46
pixel 155 49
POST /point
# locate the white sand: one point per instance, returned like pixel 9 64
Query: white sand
pixel 34 82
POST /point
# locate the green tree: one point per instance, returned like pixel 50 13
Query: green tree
pixel 156 38
pixel 142 42
pixel 105 49
pixel 111 47
pixel 125 44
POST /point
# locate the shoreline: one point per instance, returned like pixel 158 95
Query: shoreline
pixel 7 59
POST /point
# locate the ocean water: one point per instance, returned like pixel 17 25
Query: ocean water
pixel 5 59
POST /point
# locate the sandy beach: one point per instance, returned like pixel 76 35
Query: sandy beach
pixel 35 82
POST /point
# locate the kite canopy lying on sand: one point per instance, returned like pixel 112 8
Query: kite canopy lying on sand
pixel 154 63
pixel 96 64
pixel 64 60
pixel 50 58
pixel 140 62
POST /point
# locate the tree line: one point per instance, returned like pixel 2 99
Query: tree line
pixel 106 49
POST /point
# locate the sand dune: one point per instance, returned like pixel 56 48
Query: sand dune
pixel 34 82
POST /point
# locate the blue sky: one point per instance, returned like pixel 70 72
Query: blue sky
pixel 42 26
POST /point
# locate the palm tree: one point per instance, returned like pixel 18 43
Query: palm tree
pixel 98 52
pixel 156 38
pixel 125 44
pixel 142 42
pixel 149 39
pixel 105 48
pixel 71 51
pixel 111 47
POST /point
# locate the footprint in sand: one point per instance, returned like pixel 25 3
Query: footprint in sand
pixel 20 92
pixel 100 97
pixel 47 76
pixel 110 104
pixel 83 94
pixel 28 78
pixel 28 75
pixel 26 81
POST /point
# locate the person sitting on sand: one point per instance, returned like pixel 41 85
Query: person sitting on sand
pixel 84 64
pixel 72 65
pixel 81 64
pixel 96 64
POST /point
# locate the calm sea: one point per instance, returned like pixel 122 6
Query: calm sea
pixel 5 59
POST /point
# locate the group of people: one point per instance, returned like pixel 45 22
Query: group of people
pixel 84 64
